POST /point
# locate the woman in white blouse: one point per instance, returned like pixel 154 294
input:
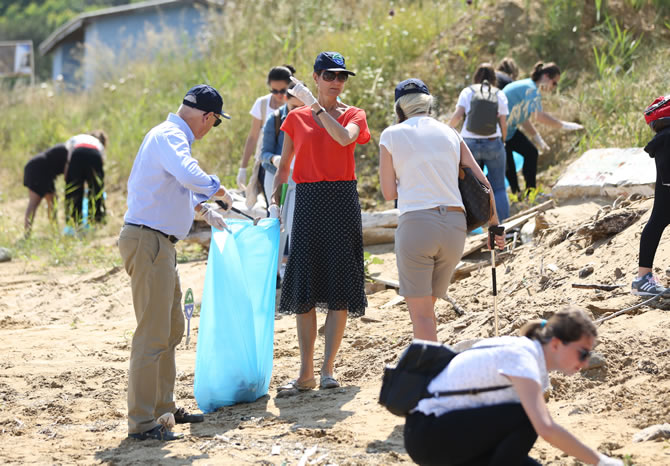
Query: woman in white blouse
pixel 499 427
pixel 419 160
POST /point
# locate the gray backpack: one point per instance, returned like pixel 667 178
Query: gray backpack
pixel 483 114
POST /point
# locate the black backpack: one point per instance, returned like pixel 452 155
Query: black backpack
pixel 404 385
pixel 483 114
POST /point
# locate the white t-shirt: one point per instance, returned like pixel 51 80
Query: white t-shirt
pixel 426 155
pixel 261 111
pixel 487 367
pixel 84 140
pixel 464 100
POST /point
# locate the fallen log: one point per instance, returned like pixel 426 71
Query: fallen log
pixel 378 236
pixel 475 243
pixel 383 219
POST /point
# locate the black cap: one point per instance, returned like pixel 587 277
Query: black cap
pixel 410 86
pixel 331 61
pixel 205 98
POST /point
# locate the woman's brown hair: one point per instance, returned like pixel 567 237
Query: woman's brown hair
pixel 486 72
pixel 569 324
pixel 508 66
pixel 551 69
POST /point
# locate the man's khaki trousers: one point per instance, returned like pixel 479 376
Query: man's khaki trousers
pixel 150 260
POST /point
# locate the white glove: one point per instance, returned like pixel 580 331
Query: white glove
pixel 275 160
pixel 274 211
pixel 226 198
pixel 570 126
pixel 607 461
pixel 242 178
pixel 540 144
pixel 302 93
pixel 215 219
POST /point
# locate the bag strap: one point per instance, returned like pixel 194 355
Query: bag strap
pixel 470 391
pixel 277 115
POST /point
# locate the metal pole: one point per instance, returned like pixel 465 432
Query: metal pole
pixel 493 231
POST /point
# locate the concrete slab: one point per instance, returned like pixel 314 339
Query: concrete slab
pixel 609 172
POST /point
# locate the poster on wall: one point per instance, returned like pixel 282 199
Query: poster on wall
pixel 16 59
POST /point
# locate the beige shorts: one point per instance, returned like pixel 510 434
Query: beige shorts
pixel 428 245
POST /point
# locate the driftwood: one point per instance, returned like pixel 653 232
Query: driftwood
pixel 609 225
pixel 475 243
pixel 458 309
pixel 538 208
pixel 383 219
pixel 378 235
pixel 596 286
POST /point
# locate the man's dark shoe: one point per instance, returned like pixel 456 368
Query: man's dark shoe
pixel 184 417
pixel 157 433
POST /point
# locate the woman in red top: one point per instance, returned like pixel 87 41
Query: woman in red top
pixel 325 268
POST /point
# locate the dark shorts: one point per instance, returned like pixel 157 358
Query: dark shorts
pixel 37 176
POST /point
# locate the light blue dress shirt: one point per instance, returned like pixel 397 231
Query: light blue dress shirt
pixel 166 183
pixel 523 99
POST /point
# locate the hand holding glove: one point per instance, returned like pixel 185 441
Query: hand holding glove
pixel 540 144
pixel 213 218
pixel 274 211
pixel 242 178
pixel 275 160
pixel 604 460
pixel 302 93
pixel 570 126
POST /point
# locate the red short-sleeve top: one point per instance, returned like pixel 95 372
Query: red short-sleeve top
pixel 318 157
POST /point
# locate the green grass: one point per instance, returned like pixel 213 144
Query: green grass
pixel 612 70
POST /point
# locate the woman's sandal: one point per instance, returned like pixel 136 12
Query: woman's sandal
pixel 293 387
pixel 328 381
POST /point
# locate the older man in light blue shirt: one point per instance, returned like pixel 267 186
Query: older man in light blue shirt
pixel 166 186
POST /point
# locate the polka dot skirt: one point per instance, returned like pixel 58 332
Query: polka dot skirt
pixel 325 267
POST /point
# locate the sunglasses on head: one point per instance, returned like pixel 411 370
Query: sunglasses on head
pixel 583 354
pixel 218 120
pixel 331 75
pixel 278 91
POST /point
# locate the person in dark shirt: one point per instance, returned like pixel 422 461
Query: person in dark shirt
pixel 645 284
pixel 39 175
pixel 80 160
pixel 506 72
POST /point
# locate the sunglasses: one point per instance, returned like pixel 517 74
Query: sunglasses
pixel 218 120
pixel 331 75
pixel 583 354
pixel 278 91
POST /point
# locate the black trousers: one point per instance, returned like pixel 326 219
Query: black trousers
pixel 660 218
pixel 521 144
pixel 499 435
pixel 85 168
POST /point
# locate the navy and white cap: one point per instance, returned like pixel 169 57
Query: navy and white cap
pixel 410 86
pixel 205 98
pixel 331 61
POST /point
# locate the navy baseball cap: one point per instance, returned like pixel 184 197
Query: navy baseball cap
pixel 205 98
pixel 331 61
pixel 410 86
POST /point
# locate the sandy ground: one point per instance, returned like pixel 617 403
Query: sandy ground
pixel 65 348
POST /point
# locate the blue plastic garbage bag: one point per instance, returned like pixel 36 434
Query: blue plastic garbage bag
pixel 235 338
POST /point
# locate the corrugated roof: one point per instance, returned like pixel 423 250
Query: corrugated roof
pixel 75 24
